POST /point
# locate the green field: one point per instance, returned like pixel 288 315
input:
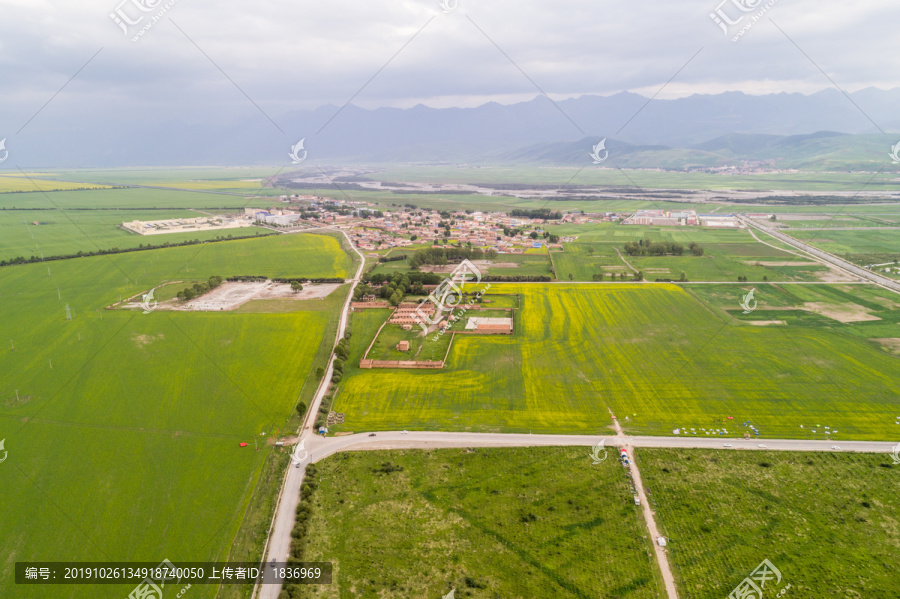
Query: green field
pixel 513 523
pixel 862 247
pixel 728 254
pixel 420 348
pixel 828 522
pixel 18 184
pixel 654 352
pixel 135 198
pixel 123 428
pixel 59 233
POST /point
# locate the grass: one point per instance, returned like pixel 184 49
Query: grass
pixel 828 522
pixel 516 523
pixel 13 183
pixel 421 348
pixel 650 351
pixel 143 198
pixel 89 230
pixel 126 448
pixel 728 254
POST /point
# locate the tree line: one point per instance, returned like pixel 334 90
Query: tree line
pixel 645 247
pixel 199 289
pixel 440 256
pixel 116 250
pixel 542 213
pixel 260 278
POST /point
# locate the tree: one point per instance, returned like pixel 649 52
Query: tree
pixel 598 276
pixel 414 237
pixel 590 250
pixel 683 277
pixel 396 298
pixel 533 235
pixel 571 277
pixel 320 372
pixel 296 286
pixel 301 409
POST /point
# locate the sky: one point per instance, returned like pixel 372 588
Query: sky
pixel 202 60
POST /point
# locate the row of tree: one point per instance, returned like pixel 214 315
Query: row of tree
pixel 645 247
pixel 638 276
pixel 440 256
pixel 199 289
pixel 260 278
pixel 542 213
pixel 115 250
pixel 301 530
pixel 397 258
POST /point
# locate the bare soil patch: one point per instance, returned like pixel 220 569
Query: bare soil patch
pixel 763 323
pixel 892 344
pixel 781 263
pixel 145 340
pixel 230 296
pixel 848 312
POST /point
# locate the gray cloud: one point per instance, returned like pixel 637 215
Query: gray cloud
pixel 301 55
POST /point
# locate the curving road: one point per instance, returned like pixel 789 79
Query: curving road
pixel 278 545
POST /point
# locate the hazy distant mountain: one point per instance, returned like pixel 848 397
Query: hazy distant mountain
pixel 700 130
pixel 820 151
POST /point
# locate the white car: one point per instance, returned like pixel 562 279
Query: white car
pixel 404 432
pixel 727 445
pixel 763 445
pixel 835 447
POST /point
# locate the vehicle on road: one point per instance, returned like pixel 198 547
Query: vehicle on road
pixel 727 445
pixel 763 445
pixel 404 432
pixel 835 447
pixel 371 434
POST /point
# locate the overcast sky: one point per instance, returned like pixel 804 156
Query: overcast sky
pixel 288 55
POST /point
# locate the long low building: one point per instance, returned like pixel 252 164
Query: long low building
pixel 489 325
pixel 187 225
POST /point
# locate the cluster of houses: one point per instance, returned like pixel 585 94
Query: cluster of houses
pixel 481 229
pixel 674 218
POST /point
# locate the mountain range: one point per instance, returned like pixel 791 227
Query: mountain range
pixel 821 131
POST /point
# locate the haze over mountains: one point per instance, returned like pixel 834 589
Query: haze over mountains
pixel 818 131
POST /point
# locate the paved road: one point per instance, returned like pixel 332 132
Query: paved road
pixel 823 255
pixel 323 447
pixel 278 544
